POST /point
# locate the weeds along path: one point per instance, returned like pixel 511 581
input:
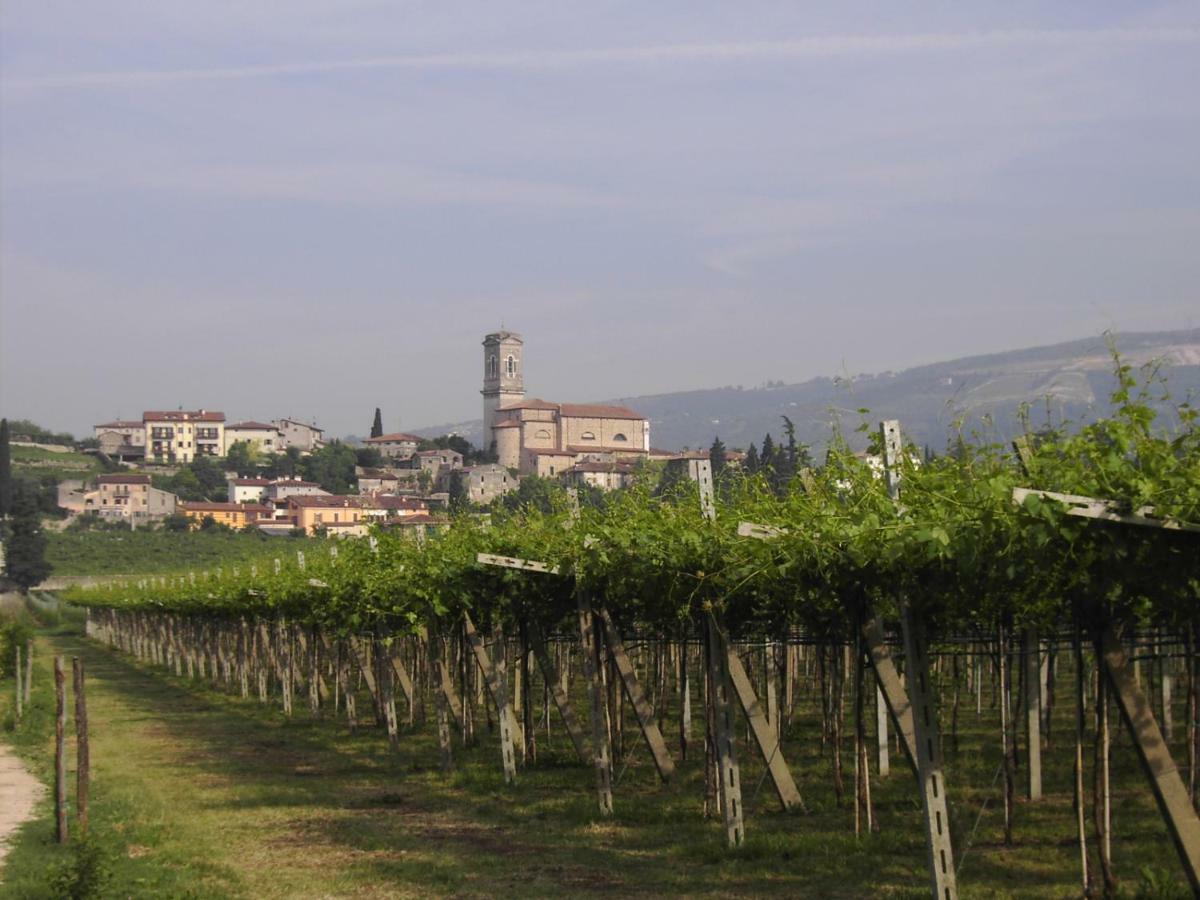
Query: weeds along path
pixel 212 796
pixel 19 794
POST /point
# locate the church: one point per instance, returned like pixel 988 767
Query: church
pixel 538 437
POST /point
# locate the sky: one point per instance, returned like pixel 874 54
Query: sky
pixel 310 209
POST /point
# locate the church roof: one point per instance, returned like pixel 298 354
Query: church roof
pixel 534 403
pixel 398 437
pixel 575 410
pixel 503 336
pixel 599 411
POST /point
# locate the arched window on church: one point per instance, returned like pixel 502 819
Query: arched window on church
pixel 492 369
pixel 620 438
pixel 588 436
pixel 510 366
pixel 542 434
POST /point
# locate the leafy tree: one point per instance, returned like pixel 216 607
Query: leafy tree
pixel 6 490
pixel 40 435
pixel 534 491
pixel 242 457
pixel 377 425
pixel 368 457
pixel 25 547
pixel 332 467
pixel 211 477
pixel 284 465
pixel 176 522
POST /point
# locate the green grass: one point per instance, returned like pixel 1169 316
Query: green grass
pixel 145 551
pixel 199 793
pixel 36 462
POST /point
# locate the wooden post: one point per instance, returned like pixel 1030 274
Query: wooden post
pixel 499 694
pixel 1033 714
pixel 1173 801
pixel 943 883
pixel 728 774
pixel 765 735
pixel 60 752
pixel 591 669
pixel 881 732
pixel 83 768
pixel 637 697
pixel 28 670
pixel 17 677
pixel 557 690
pixel 890 686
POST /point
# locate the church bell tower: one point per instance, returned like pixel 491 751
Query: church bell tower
pixel 503 376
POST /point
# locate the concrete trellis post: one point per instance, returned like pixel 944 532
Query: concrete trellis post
pixel 925 739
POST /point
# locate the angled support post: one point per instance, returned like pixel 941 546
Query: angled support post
pixel 601 752
pixel 496 688
pixel 637 698
pixel 765 735
pixel 1169 789
pixel 563 704
pixel 728 773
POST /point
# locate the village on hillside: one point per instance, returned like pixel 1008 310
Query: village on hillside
pixel 396 480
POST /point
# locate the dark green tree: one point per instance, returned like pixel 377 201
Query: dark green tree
pixel 6 490
pixel 25 546
pixel 540 493
pixel 377 425
pixel 767 456
pixel 716 457
pixel 458 491
pixel 332 467
pixel 240 458
pixel 211 477
pixel 368 457
pixel 284 465
pixel 750 466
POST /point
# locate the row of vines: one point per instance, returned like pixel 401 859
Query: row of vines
pixel 901 569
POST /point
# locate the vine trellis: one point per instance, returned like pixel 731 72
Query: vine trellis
pixel 1010 557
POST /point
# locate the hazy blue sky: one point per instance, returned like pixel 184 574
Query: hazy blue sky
pixel 310 209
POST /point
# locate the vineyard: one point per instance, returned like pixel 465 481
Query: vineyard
pixel 1056 580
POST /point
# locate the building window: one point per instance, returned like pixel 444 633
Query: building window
pixel 588 436
pixel 620 437
pixel 510 366
pixel 542 434
pixel 492 368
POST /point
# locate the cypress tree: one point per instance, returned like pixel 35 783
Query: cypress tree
pixel 751 464
pixel 377 425
pixel 25 549
pixel 5 471
pixel 716 456
pixel 766 456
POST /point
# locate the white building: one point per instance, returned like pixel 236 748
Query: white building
pixel 301 435
pixel 261 436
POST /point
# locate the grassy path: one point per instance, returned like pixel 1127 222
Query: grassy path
pixel 200 794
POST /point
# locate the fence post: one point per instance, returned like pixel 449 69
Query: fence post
pixel 60 752
pixel 83 769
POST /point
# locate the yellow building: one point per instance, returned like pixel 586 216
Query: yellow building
pixel 235 515
pixel 179 436
pixel 314 512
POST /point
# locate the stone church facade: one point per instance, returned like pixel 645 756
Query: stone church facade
pixel 538 437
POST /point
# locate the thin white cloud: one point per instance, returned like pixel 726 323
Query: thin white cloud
pixel 818 47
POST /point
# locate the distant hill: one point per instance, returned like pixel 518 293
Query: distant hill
pixel 1071 380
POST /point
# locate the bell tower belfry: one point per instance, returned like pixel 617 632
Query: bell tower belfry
pixel 503 376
